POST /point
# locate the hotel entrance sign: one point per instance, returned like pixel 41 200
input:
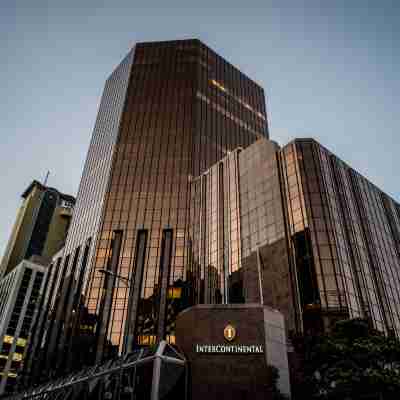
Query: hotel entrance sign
pixel 229 348
pixel 229 335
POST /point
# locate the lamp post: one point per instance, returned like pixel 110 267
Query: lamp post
pixel 129 283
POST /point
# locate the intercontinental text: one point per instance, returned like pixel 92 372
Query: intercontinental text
pixel 229 348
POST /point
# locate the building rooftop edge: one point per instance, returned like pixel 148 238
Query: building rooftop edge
pixel 44 187
pixel 199 41
pixel 312 140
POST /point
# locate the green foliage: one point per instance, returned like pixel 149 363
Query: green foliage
pixel 352 362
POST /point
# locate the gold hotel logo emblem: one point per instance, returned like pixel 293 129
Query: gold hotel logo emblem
pixel 229 333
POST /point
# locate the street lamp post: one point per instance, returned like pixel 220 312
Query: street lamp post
pixel 129 283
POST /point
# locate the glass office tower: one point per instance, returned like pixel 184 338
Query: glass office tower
pixel 169 111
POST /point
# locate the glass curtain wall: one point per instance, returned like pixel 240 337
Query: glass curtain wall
pixel 185 109
pixel 71 277
pixel 343 232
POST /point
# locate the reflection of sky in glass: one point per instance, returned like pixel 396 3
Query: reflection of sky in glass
pixel 329 72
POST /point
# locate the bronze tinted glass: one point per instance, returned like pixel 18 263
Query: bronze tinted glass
pixel 185 109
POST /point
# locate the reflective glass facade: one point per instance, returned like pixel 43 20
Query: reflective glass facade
pixel 236 208
pixel 186 108
pixel 344 240
pixel 215 233
pixel 184 201
pixel 64 309
pixel 299 230
pixel 169 111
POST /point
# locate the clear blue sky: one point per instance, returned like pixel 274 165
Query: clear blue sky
pixel 330 70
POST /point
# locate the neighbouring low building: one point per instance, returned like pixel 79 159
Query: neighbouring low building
pixel 20 292
pixel 41 225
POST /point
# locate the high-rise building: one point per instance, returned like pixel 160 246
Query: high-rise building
pixel 184 200
pixel 41 226
pixel 169 111
pixel 20 290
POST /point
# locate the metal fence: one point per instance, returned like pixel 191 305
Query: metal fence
pixel 147 374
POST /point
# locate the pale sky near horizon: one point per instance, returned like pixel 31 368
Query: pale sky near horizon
pixel 329 68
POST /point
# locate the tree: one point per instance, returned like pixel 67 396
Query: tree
pixel 352 362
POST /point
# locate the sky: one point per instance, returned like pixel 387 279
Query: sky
pixel 329 69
